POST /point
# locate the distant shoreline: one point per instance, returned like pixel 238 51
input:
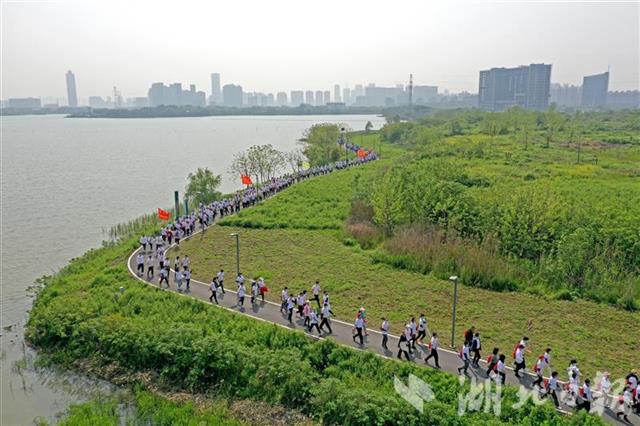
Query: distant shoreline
pixel 189 111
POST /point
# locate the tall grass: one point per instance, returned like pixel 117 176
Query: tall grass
pixel 432 250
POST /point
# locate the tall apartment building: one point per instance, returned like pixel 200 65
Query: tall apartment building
pixel 594 90
pixel 297 98
pixel 216 93
pixel 72 95
pixel 526 86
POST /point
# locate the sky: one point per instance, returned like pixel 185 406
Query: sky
pixel 271 46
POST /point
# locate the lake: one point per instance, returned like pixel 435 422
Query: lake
pixel 65 181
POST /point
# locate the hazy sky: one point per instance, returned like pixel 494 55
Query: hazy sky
pixel 286 45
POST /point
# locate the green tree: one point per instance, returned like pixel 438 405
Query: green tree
pixel 368 127
pixel 553 121
pixel 387 202
pixel 527 123
pixel 320 144
pixel 202 186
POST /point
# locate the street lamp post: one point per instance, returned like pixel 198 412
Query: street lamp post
pixel 235 234
pixel 454 279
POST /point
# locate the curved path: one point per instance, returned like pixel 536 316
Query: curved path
pixel 342 331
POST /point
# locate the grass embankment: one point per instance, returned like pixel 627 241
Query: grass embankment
pixel 144 408
pixel 296 257
pixel 321 203
pixel 183 344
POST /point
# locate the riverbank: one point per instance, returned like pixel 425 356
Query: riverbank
pixel 49 218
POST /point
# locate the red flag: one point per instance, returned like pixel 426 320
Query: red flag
pixel 163 214
pixel 246 180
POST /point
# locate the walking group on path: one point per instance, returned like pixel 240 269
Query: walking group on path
pixel 315 311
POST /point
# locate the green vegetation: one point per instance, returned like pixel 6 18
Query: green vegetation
pixel 317 203
pixel 479 195
pixel 144 408
pixel 297 257
pixel 81 316
pixel 202 187
pixel 503 204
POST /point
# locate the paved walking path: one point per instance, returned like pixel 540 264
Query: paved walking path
pixel 342 331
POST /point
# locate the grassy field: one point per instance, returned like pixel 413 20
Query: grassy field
pixel 145 408
pixel 317 203
pixel 296 258
pixel 182 345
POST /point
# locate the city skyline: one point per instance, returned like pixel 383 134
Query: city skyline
pixel 293 56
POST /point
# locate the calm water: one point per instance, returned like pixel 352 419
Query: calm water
pixel 66 180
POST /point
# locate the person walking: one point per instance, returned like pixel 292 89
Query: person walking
pixel 306 313
pixel 213 288
pixel 241 294
pixel 140 263
pixel 220 277
pixel 254 291
pixel 384 329
pixel 625 406
pixel 422 329
pixel 358 326
pixel 519 359
pixel 584 399
pixel 325 314
pixel 313 321
pixel 433 350
pixel 541 363
pixel 403 347
pixel 291 303
pixel 413 330
pixel 187 279
pixel 465 356
pixel 284 299
pixel 363 314
pixel 492 360
pixel 501 369
pixel 476 347
pixel 315 291
pixel 164 277
pixel 178 279
pixel 552 388
pixel 176 264
pixel 150 267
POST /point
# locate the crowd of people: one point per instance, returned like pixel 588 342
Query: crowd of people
pixel 575 394
pixel 313 308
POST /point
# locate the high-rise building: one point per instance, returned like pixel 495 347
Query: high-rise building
pixel 24 103
pixel 565 95
pixel 319 98
pixel 159 94
pixel 625 99
pixel 424 94
pixel 336 93
pixel 72 95
pixel 216 95
pixel 383 96
pixel 525 86
pixel 346 96
pixel 281 99
pixel 326 97
pixel 358 91
pixel 232 95
pixel 297 98
pixel 308 97
pixel 594 90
